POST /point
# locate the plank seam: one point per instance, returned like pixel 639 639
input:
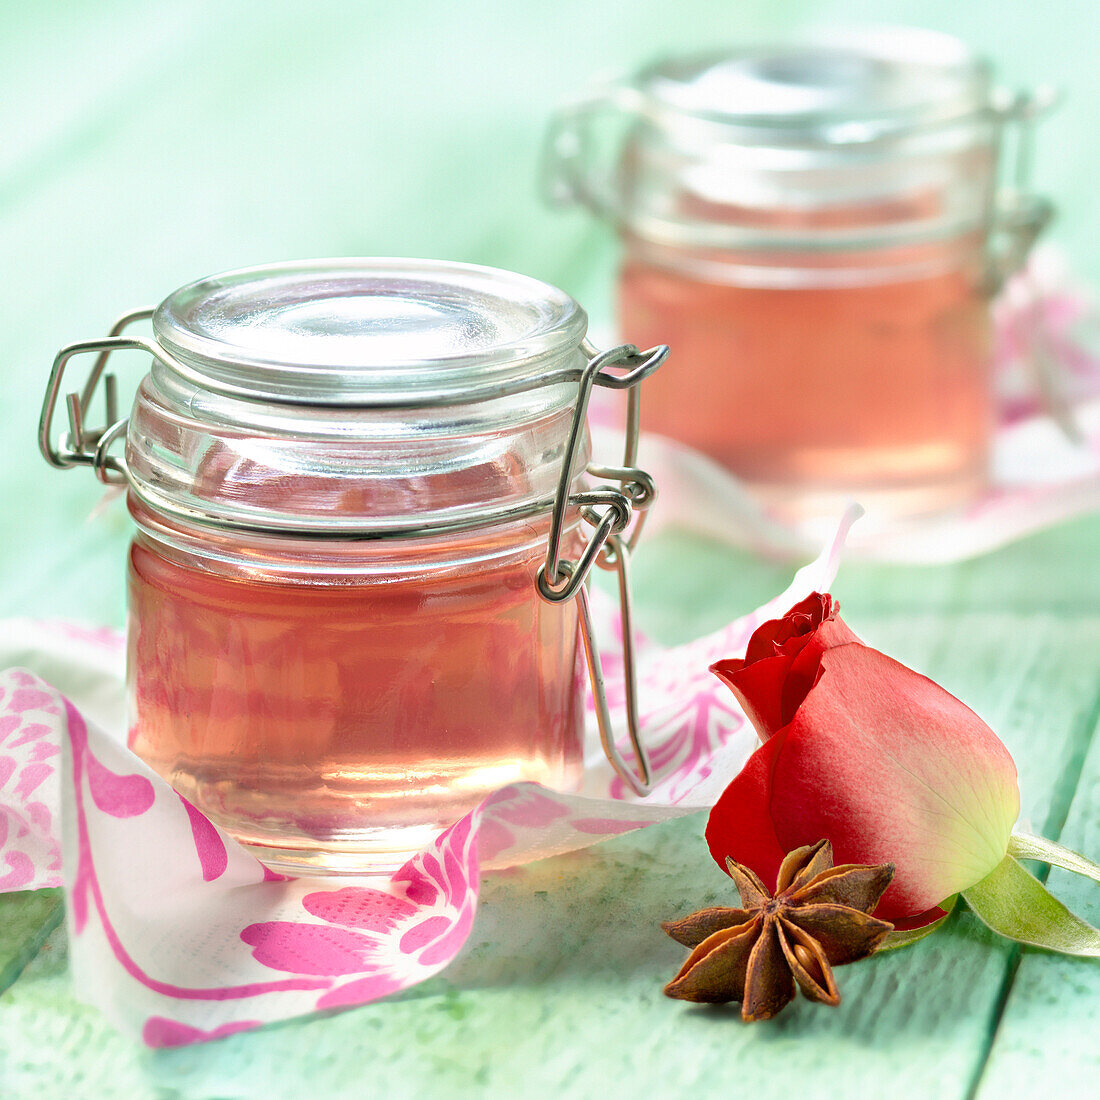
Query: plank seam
pixel 1055 822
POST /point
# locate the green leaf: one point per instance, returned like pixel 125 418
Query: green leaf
pixel 905 936
pixel 1025 846
pixel 1016 904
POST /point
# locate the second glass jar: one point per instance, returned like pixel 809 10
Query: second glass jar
pixel 817 229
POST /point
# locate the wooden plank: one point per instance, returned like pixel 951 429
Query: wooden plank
pixel 1047 1039
pixel 1052 572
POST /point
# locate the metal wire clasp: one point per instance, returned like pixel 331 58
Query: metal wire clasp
pixel 609 510
pixel 81 445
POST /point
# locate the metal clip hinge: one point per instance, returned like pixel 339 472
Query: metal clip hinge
pixel 81 445
pixel 609 511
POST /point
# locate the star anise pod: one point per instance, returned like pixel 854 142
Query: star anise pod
pixel 818 918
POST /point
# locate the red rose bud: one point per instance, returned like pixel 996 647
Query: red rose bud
pixel 861 750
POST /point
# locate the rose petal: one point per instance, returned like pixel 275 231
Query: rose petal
pixel 800 621
pixel 740 825
pixel 782 662
pixel 803 673
pixel 767 639
pixel 892 768
pixel 922 920
pixel 759 688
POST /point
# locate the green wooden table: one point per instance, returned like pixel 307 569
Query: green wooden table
pixel 144 145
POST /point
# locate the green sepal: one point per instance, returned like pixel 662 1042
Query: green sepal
pixel 1015 904
pixel 905 936
pixel 1025 846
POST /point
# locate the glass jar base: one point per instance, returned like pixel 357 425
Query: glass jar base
pixel 372 853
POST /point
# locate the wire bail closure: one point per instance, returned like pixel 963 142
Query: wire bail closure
pixel 609 511
pixel 81 445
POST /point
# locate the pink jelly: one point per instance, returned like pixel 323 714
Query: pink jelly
pixel 364 526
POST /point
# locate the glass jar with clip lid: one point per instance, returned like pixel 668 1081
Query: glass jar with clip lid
pixel 818 229
pixel 366 512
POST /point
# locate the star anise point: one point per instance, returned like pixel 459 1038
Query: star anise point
pixel 818 917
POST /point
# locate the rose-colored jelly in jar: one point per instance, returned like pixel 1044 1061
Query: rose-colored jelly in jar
pixel 817 230
pixel 334 706
pixel 344 476
pixel 816 393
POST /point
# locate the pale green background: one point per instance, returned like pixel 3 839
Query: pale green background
pixel 145 144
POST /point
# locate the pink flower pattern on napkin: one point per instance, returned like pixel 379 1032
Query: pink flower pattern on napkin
pixel 30 851
pixel 399 938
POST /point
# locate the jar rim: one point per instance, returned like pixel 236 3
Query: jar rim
pixel 842 87
pixel 362 330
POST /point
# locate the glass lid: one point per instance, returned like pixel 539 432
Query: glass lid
pixel 850 86
pixel 366 331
